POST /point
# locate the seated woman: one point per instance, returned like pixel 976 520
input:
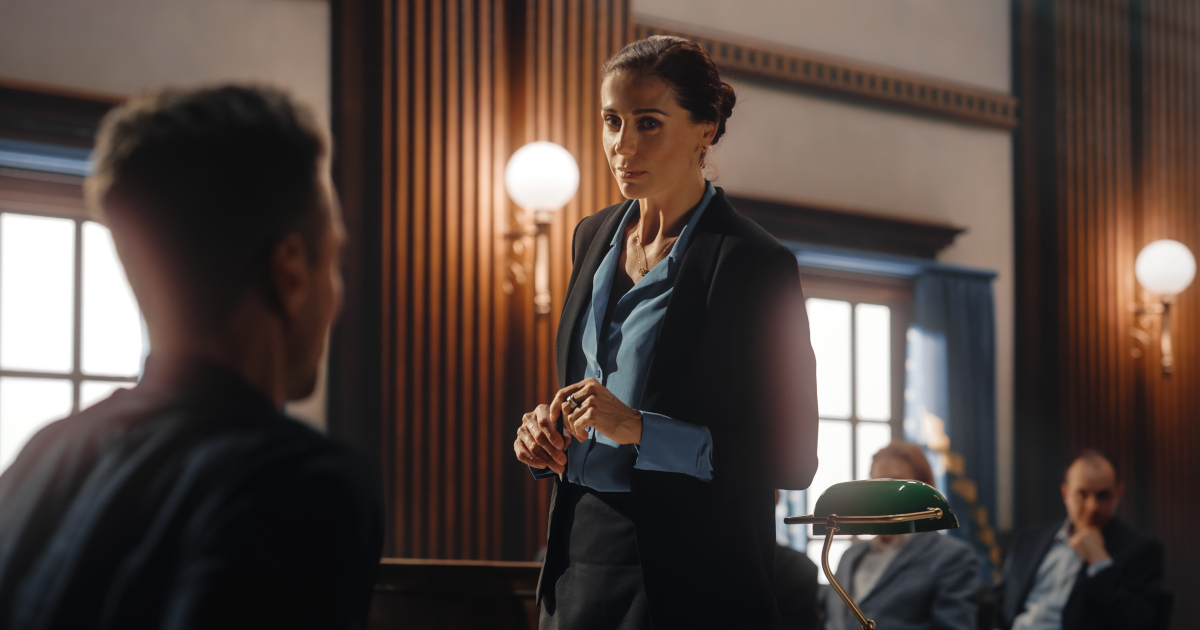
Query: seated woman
pixel 923 581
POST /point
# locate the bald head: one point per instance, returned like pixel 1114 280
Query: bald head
pixel 1091 491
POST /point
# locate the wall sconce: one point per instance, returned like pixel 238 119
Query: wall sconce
pixel 1164 267
pixel 541 178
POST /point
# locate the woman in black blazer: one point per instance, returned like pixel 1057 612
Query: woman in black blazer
pixel 688 380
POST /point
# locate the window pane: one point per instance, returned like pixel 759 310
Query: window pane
pixel 26 405
pixel 92 392
pixel 829 326
pixel 797 506
pixel 112 328
pixel 836 549
pixel 873 362
pixel 872 436
pixel 37 293
pixel 833 452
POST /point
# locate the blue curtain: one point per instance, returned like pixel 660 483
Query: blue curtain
pixel 950 396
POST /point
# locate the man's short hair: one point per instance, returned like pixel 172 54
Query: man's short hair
pixel 910 454
pixel 210 180
pixel 1094 458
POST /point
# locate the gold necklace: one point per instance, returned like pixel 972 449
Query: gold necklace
pixel 637 240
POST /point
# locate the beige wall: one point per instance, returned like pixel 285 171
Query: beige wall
pixel 125 46
pixel 788 145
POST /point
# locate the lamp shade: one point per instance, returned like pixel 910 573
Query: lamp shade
pixel 883 497
pixel 1165 267
pixel 541 176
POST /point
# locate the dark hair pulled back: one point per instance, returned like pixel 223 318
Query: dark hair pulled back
pixel 691 73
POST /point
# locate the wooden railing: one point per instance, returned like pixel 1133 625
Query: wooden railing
pixel 454 594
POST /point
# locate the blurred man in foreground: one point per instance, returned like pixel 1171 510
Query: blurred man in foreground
pixel 192 501
pixel 1090 572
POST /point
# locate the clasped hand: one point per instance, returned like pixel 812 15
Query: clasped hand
pixel 540 445
pixel 1088 543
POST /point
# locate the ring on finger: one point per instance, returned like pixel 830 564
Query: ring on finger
pixel 574 403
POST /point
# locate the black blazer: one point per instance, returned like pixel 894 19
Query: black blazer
pixel 1124 596
pixel 733 354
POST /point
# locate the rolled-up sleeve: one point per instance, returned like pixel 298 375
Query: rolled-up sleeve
pixel 670 445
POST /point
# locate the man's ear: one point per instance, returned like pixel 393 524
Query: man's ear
pixel 1118 492
pixel 289 275
pixel 1064 489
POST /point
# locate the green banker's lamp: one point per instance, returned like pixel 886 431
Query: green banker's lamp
pixel 875 507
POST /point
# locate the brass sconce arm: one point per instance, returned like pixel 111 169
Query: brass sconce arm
pixel 1162 309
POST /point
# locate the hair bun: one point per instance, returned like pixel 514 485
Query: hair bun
pixel 728 100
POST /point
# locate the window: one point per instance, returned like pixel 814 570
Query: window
pixel 70 329
pixel 857 326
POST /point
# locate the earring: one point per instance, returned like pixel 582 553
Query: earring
pixel 703 154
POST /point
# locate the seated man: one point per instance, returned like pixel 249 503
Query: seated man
pixel 925 581
pixel 192 501
pixel 1089 572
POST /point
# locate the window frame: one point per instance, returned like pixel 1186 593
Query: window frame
pixel 894 293
pixel 53 195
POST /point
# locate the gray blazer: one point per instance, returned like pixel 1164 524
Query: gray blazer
pixel 930 585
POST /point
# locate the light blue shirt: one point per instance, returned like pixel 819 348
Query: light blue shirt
pixel 1053 584
pixel 619 358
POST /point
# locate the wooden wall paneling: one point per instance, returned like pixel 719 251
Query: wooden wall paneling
pixel 467 332
pixel 394 310
pixel 442 388
pixel 1170 89
pixel 1098 207
pixel 1038 268
pixel 440 350
pixel 1107 158
pixel 355 385
pixel 454 595
pixel 566 44
pixel 498 142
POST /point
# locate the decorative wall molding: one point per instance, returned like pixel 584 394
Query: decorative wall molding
pixel 810 223
pixel 827 74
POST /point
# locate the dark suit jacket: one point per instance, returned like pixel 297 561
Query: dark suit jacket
pixel 184 505
pixel 733 354
pixel 1122 596
pixel 930 585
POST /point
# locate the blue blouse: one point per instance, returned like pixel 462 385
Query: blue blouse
pixel 618 357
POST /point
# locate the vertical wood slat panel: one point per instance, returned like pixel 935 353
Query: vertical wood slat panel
pixel 499 145
pixel 448 120
pixel 562 101
pixel 1114 169
pixel 444 391
pixel 1096 201
pixel 1171 201
pixel 468 499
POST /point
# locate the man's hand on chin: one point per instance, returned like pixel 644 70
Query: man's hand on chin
pixel 1089 544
